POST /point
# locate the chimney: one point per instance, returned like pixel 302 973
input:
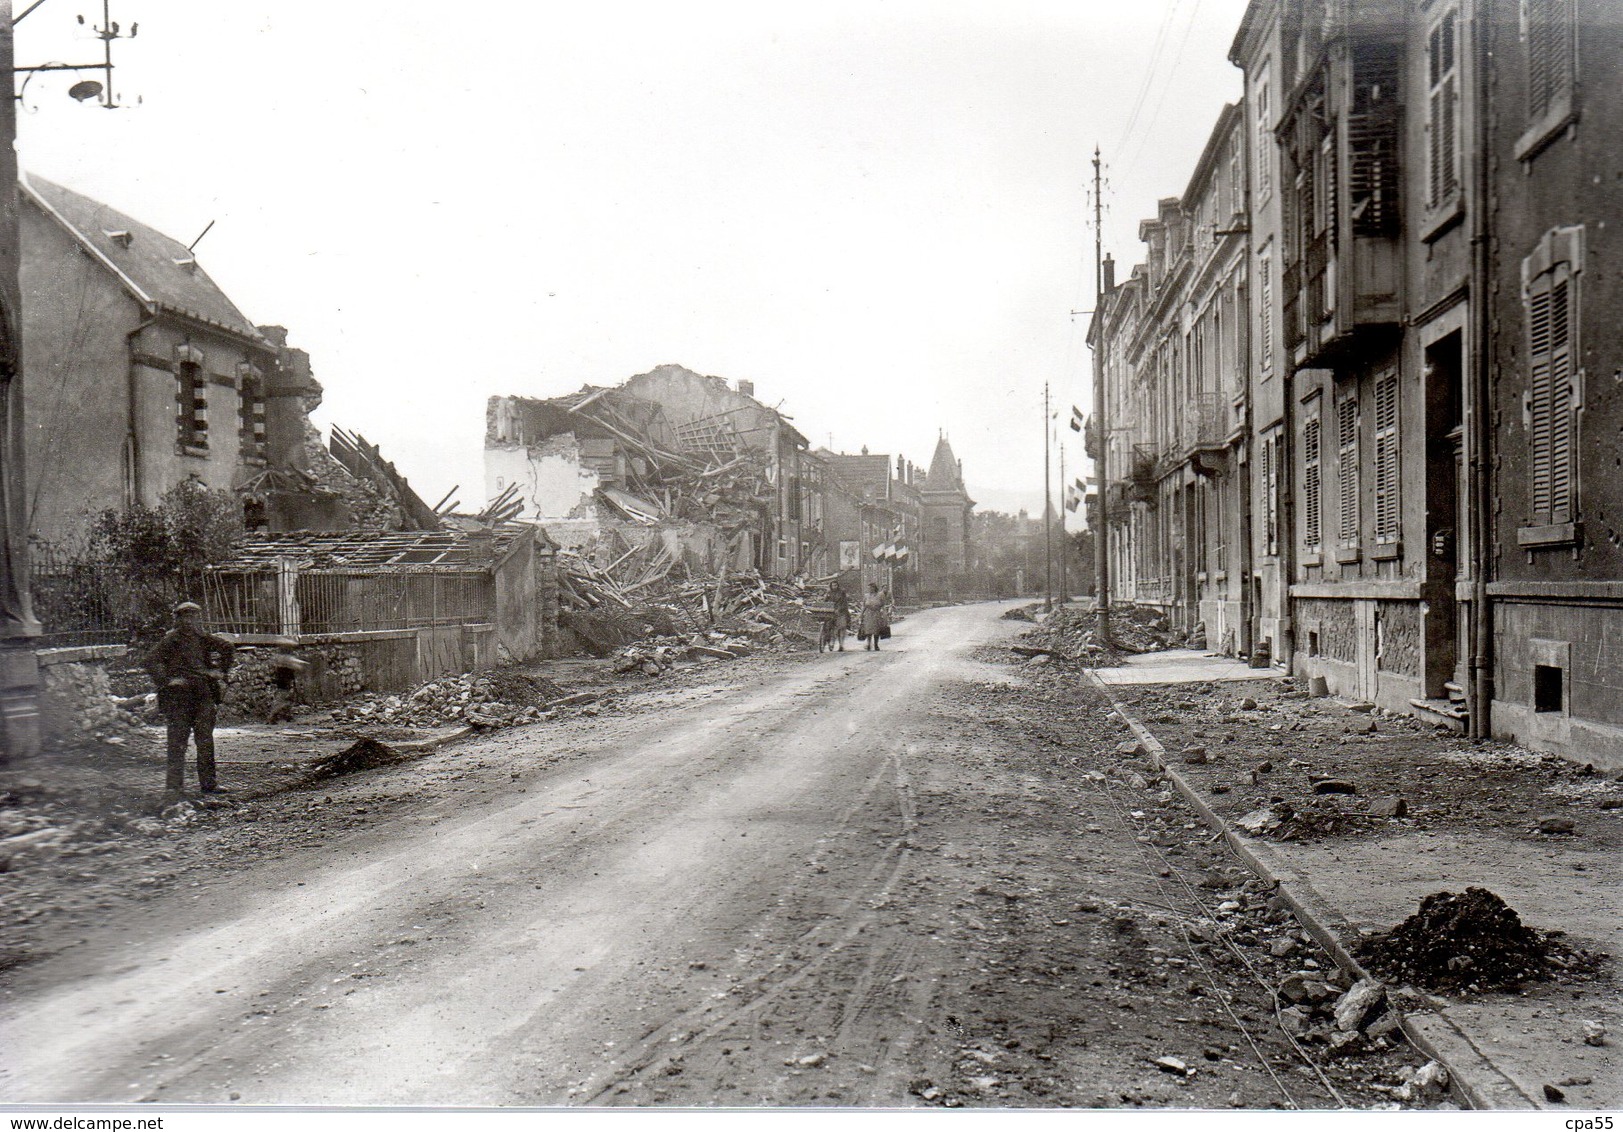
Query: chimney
pixel 1110 274
pixel 901 469
pixel 746 387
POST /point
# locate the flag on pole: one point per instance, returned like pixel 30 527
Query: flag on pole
pixel 1076 419
pixel 1073 498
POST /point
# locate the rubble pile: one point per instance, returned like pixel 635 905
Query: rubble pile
pixel 78 708
pixel 657 655
pixel 493 698
pixel 1072 633
pixel 649 598
pixel 1470 941
pixel 1324 816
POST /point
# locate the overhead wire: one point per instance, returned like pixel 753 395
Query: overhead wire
pixel 1272 990
pixel 1166 86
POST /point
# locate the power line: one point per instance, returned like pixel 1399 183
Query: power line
pixel 1143 135
pixel 1149 73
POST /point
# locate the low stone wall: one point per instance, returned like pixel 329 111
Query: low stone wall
pixel 77 708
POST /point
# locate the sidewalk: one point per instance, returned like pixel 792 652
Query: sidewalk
pixel 1473 820
pixel 1181 666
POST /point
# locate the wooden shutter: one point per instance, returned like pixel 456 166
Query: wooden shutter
pixel 1265 301
pixel 1560 431
pixel 1442 109
pixel 1549 55
pixel 1347 470
pixel 1538 397
pixel 1268 496
pixel 1312 482
pixel 1387 512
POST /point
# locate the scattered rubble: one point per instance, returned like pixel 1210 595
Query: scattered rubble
pixel 1071 633
pixel 647 596
pixel 1471 941
pixel 495 697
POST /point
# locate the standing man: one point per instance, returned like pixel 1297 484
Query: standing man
pixel 190 666
pixel 285 669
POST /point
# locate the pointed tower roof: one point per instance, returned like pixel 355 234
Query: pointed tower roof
pixel 943 474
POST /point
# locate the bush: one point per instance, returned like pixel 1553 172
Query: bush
pixel 156 556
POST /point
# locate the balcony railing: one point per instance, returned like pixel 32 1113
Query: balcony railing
pixel 1205 422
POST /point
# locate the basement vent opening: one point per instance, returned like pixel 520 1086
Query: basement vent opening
pixel 1546 687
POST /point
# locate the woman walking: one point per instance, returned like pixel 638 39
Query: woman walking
pixel 873 617
pixel 838 623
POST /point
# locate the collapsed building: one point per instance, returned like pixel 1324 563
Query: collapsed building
pixel 720 480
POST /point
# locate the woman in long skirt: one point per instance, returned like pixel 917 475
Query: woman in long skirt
pixel 873 617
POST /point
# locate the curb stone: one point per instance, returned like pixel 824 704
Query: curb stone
pixel 1474 1079
pixel 422 746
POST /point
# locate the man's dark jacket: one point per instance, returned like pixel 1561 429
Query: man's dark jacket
pixel 192 659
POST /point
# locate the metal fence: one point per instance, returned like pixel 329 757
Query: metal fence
pixel 330 601
pixel 98 603
pixel 93 603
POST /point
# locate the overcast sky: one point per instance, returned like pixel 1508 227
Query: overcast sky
pixel 878 212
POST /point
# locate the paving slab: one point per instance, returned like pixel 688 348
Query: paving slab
pixel 1181 666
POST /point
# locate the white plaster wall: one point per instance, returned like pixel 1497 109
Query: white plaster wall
pixel 551 481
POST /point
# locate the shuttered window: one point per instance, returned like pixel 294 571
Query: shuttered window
pixel 1265 304
pixel 1550 401
pixel 1442 109
pixel 1312 480
pixel 1268 455
pixel 1264 155
pixel 251 417
pixel 1347 470
pixel 1388 513
pixel 191 405
pixel 1550 52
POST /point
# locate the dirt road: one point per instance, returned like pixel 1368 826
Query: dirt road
pixel 877 879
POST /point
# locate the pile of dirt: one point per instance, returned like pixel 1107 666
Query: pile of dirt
pixel 363 754
pixel 495 697
pixel 1470 941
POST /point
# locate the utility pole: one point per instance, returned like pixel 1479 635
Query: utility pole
pixel 1101 424
pixel 1048 510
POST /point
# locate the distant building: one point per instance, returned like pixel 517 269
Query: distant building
pixel 945 508
pixel 873 520
pixel 1172 340
pixel 144 375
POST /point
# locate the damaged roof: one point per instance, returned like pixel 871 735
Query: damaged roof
pixel 373 549
pixel 158 270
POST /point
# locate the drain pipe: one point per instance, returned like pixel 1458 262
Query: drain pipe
pixel 1481 432
pixel 132 450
